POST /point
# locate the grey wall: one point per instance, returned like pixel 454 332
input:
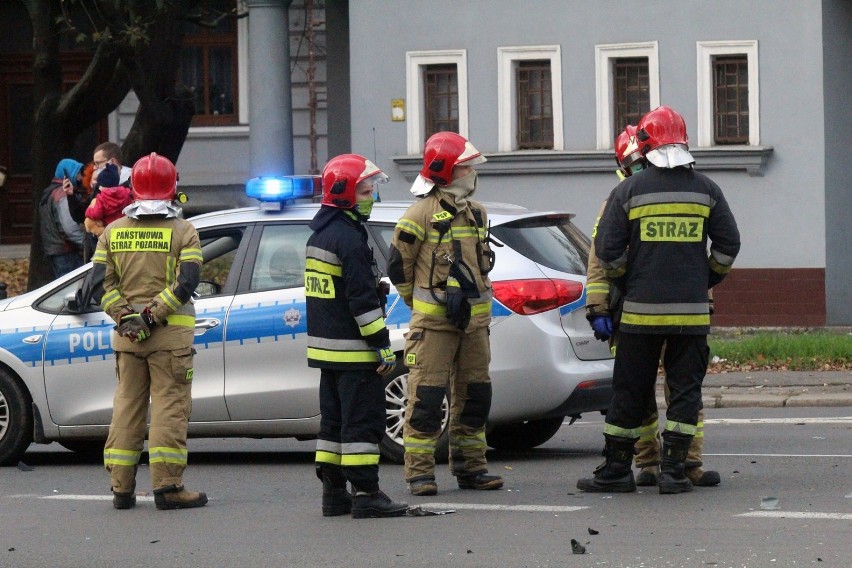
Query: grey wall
pixel 837 61
pixel 791 80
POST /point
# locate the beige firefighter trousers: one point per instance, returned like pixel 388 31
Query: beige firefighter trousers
pixel 164 377
pixel 436 359
pixel 648 446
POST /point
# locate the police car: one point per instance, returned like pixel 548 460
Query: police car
pixel 57 369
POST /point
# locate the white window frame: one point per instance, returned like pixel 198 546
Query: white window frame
pixel 415 61
pixel 604 91
pixel 706 50
pixel 507 120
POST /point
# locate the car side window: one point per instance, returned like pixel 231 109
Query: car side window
pixel 219 250
pixel 280 261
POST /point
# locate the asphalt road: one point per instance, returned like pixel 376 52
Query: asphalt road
pixel 264 507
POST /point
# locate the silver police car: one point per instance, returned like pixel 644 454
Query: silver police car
pixel 57 369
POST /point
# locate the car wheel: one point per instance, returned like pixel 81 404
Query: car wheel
pixel 88 448
pixel 396 399
pixel 16 420
pixel 523 435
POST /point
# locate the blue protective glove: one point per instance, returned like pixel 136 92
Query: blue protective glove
pixel 387 360
pixel 602 326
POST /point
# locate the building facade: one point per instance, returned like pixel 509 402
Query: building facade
pixel 543 89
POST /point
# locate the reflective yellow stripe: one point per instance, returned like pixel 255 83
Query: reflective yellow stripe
pixel 678 319
pixel 327 457
pixel 110 298
pixel 191 254
pixel 113 456
pixel 441 309
pixel 719 268
pixel 373 327
pixel 457 233
pixel 468 442
pixel 648 432
pixel 410 226
pixel 323 267
pixel 161 454
pixel 615 272
pixel 99 256
pixel 680 427
pixel 429 309
pixel 181 320
pixel 630 433
pixel 419 445
pixel 169 299
pixel 342 356
pixel 669 209
pixel 597 288
pixel 171 263
pixel 359 459
pixel 479 309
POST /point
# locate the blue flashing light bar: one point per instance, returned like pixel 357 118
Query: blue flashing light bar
pixel 283 188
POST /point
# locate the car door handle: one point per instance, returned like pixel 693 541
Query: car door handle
pixel 207 323
pixel 32 339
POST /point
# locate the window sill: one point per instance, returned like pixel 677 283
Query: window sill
pixel 236 131
pixel 751 159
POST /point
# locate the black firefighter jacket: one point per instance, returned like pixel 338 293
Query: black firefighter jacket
pixel 345 320
pixel 652 241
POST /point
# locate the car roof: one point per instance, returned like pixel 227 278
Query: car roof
pixel 384 211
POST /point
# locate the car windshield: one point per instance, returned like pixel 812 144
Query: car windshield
pixel 551 240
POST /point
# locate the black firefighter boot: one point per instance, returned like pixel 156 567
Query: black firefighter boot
pixel 673 477
pixel 376 505
pixel 615 475
pixel 336 500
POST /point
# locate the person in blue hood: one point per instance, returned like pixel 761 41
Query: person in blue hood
pixel 61 236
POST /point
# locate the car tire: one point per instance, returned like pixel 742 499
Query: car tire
pixel 523 435
pixel 396 399
pixel 16 419
pixel 89 448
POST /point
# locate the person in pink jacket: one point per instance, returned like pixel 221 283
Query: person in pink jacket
pixel 109 203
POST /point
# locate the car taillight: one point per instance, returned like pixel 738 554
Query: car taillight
pixel 527 297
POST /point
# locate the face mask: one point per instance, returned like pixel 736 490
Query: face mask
pixel 364 207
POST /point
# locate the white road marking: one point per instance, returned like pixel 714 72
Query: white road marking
pixel 797 515
pixel 822 420
pixel 484 507
pixel 91 497
pixel 784 455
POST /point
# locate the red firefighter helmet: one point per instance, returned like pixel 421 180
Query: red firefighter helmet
pixel 342 174
pixel 659 127
pixel 627 149
pixel 443 152
pixel 153 177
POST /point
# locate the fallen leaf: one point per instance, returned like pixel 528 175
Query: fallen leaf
pixel 577 548
pixel 593 531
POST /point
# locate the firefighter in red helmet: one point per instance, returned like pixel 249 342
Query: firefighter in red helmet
pixel 603 310
pixel 348 341
pixel 439 261
pixel 150 261
pixel 651 243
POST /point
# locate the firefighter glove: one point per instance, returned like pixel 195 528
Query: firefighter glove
pixel 134 327
pixel 387 360
pixel 602 326
pixel 458 308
